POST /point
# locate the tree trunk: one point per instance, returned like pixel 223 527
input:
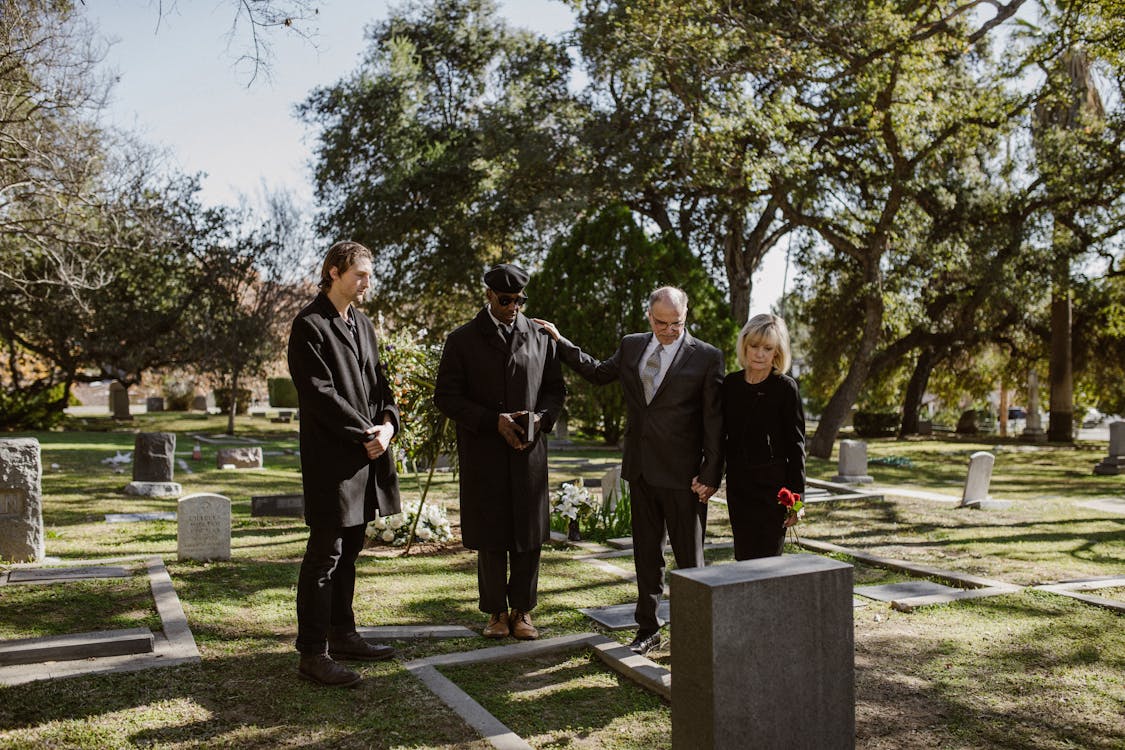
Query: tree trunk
pixel 1061 419
pixel 915 390
pixel 840 405
pixel 233 401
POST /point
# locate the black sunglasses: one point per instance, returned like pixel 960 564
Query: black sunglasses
pixel 507 299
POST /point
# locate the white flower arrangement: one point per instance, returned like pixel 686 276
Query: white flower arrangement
pixel 574 502
pixel 433 526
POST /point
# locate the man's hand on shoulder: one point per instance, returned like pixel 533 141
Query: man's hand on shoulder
pixel 549 327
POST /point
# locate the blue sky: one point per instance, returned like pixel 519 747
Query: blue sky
pixel 180 87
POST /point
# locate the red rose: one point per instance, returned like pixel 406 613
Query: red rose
pixel 787 498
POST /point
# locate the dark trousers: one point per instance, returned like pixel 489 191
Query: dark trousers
pixel 500 591
pixel 757 522
pixel 654 510
pixel 326 585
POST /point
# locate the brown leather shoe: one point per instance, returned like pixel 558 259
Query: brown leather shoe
pixel 522 627
pixel 353 646
pixel 321 669
pixel 497 626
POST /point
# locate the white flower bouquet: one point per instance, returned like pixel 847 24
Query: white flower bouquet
pixel 433 526
pixel 574 502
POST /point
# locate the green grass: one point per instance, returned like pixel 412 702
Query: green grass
pixel 1026 670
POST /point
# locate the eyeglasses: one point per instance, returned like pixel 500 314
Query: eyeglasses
pixel 675 325
pixel 506 299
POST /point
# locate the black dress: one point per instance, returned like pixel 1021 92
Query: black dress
pixel 764 441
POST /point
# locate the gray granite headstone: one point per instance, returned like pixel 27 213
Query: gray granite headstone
pixel 853 463
pixel 1114 463
pixel 154 455
pixel 154 403
pixel 611 487
pixel 763 655
pixel 239 458
pixel 21 500
pixel 199 403
pixel 119 401
pixel 277 505
pixel 1033 431
pixel 204 527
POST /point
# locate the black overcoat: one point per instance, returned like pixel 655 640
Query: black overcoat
pixel 504 492
pixel 340 397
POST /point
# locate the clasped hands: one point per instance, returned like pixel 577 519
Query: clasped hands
pixel 512 432
pixel 379 438
pixel 704 491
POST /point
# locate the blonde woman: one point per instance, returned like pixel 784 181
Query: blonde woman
pixel 764 426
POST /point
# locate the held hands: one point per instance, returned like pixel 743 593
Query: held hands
pixel 513 433
pixel 704 491
pixel 379 437
pixel 548 327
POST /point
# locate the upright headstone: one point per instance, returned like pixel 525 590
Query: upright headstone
pixel 239 458
pixel 853 463
pixel 977 481
pixel 611 487
pixel 1033 431
pixel 203 527
pixel 21 500
pixel 1114 463
pixel 199 403
pixel 763 655
pixel 154 403
pixel 119 401
pixel 154 456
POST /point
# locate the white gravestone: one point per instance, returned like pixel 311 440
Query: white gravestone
pixel 21 500
pixel 611 487
pixel 204 527
pixel 1033 431
pixel 1114 463
pixel 853 463
pixel 977 481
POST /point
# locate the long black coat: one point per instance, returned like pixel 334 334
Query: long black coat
pixel 504 493
pixel 340 397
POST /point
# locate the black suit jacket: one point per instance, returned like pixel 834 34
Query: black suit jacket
pixel 677 436
pixel 340 396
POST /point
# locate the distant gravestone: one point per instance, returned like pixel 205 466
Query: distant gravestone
pixel 154 455
pixel 239 458
pixel 119 401
pixel 199 403
pixel 853 463
pixel 611 487
pixel 977 481
pixel 203 527
pixel 1033 431
pixel 764 655
pixel 1114 463
pixel 21 500
pixel 277 505
pixel 154 403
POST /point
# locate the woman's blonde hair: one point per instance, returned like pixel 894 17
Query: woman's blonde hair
pixel 766 328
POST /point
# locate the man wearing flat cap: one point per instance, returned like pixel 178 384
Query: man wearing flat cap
pixel 501 383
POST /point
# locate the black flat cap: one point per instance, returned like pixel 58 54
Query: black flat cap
pixel 506 278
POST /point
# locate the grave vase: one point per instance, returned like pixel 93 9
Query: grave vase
pixel 573 533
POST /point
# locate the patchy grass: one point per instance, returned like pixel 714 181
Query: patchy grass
pixel 1026 670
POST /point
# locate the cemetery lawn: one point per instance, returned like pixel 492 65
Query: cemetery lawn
pixel 1024 670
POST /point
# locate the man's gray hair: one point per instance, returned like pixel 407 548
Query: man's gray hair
pixel 672 295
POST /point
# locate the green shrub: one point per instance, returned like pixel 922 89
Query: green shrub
pixel 283 392
pixel 34 408
pixel 178 394
pixel 875 423
pixel 222 400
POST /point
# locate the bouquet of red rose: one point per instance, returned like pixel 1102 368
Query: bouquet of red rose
pixel 794 508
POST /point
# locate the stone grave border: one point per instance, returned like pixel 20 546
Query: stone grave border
pixel 174 645
pixel 1073 589
pixel 648 674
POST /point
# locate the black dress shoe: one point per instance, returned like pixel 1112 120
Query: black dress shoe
pixel 321 669
pixel 645 642
pixel 353 646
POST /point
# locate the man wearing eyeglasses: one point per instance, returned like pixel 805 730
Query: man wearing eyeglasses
pixel 500 381
pixel 671 382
